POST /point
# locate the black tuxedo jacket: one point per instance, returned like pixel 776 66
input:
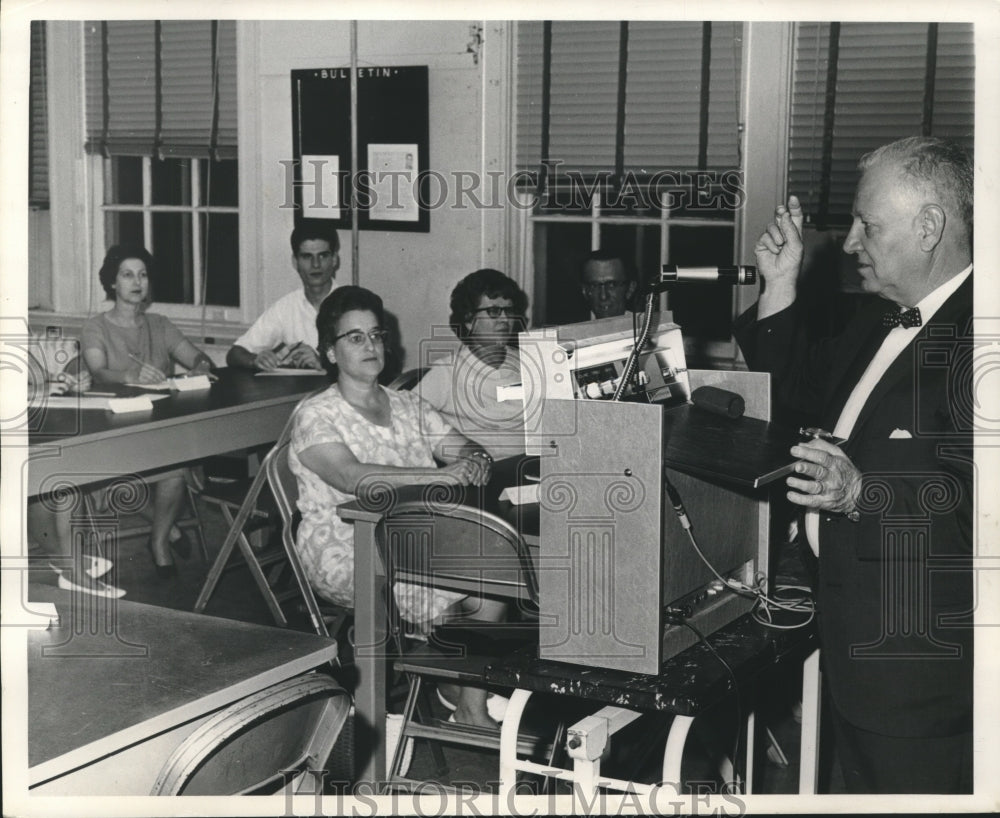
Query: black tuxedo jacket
pixel 895 591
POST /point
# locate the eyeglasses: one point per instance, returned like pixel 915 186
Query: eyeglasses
pixel 603 287
pixel 357 338
pixel 496 311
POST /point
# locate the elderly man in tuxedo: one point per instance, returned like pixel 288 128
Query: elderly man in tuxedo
pixel 889 509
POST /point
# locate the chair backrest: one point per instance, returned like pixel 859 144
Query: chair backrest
pixel 285 489
pixel 408 379
pixel 455 547
pixel 271 741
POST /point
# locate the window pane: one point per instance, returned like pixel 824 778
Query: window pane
pixel 639 246
pixel 222 270
pixel 123 228
pixel 126 181
pixel 559 251
pixel 219 183
pixel 173 281
pixel 171 181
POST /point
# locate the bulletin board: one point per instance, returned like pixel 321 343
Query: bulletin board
pixel 392 180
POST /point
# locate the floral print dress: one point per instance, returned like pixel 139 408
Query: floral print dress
pixel 325 542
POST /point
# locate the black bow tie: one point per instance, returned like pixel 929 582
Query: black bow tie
pixel 901 318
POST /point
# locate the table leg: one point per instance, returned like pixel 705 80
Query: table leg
pixel 509 730
pixel 809 753
pixel 369 657
pixel 674 751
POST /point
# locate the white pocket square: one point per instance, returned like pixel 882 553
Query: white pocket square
pixel 899 433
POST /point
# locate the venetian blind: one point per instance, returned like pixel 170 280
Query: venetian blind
pixel 884 81
pixel 668 123
pixel 161 88
pixel 38 145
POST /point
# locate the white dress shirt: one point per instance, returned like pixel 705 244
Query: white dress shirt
pixel 895 342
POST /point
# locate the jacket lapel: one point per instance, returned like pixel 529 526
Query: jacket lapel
pixel 955 312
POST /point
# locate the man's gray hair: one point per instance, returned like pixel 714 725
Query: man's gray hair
pixel 944 165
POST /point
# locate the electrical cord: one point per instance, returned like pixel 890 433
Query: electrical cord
pixel 765 606
pixel 736 690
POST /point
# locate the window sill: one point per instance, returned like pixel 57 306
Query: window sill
pixel 70 324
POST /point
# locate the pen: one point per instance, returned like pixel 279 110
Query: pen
pixel 291 349
pixel 822 434
pixel 99 395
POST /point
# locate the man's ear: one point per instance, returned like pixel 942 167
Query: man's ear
pixel 931 224
pixel 630 289
pixel 335 261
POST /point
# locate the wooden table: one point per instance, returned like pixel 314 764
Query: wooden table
pixel 241 410
pixel 118 685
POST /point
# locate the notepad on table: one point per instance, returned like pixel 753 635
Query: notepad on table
pixel 191 383
pixel 520 495
pixel 284 370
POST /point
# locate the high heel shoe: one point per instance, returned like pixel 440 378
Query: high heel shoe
pixel 165 571
pixel 182 545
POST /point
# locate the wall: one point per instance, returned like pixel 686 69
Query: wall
pixel 413 272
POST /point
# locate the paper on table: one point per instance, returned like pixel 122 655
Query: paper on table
pixel 520 495
pixel 186 384
pixel 70 402
pixel 138 404
pixel 284 370
pixel 512 391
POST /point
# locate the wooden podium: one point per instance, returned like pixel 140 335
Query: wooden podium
pixel 614 561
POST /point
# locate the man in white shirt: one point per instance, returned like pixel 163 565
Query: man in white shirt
pixel 892 504
pixel 285 333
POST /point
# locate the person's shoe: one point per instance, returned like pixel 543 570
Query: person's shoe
pixel 496 705
pixel 97 566
pixel 182 545
pixel 89 585
pixel 165 571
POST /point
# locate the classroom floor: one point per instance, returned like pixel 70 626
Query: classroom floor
pixel 638 748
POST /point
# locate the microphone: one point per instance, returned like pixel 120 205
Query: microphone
pixel 672 274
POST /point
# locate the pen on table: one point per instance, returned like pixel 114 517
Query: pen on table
pixel 89 394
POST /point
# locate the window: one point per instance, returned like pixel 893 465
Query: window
pixel 628 139
pixel 161 115
pixel 860 85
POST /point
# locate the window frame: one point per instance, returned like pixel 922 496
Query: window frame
pixel 147 208
pixel 76 196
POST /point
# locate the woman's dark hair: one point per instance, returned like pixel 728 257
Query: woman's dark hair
pixel 468 292
pixel 113 260
pixel 342 300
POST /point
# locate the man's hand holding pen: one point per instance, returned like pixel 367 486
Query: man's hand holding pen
pixel 833 484
pixel 298 356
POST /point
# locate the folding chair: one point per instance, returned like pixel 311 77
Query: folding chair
pixel 326 619
pixel 273 741
pixel 456 547
pixel 227 497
